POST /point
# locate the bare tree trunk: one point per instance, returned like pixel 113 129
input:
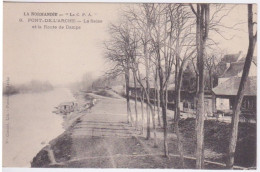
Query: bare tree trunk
pixel 147 61
pixel 196 97
pixel 153 118
pixel 176 125
pixel 142 108
pixel 143 92
pixel 158 107
pixel 129 119
pixel 162 79
pixel 154 127
pixel 154 99
pixel 202 34
pixel 178 83
pixel 158 98
pixel 162 97
pixel 241 90
pixel 149 107
pixel 148 129
pixel 136 113
pixel 164 113
pixel 176 128
pixel 148 135
pixel 213 97
pixel 200 131
pixel 166 97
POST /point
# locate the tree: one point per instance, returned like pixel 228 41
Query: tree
pixel 139 19
pixel 202 29
pixel 136 112
pixel 184 49
pixel 157 94
pixel 118 51
pixel 161 34
pixel 141 96
pixel 211 66
pixel 133 56
pixel 145 41
pixel 241 91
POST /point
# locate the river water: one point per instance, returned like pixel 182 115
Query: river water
pixel 29 124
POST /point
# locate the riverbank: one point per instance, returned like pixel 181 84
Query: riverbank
pixel 60 147
pixel 101 138
pixel 29 124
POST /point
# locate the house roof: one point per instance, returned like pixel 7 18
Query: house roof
pixel 234 69
pixel 230 87
pixel 230 58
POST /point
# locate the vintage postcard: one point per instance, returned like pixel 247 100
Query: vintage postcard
pixel 129 85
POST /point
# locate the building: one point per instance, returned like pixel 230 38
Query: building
pixel 220 98
pixel 228 85
pixel 235 68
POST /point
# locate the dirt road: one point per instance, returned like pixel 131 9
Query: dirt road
pixel 103 139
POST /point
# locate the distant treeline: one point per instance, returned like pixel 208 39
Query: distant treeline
pixel 32 87
pixel 89 82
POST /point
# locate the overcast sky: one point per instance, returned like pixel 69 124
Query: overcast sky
pixel 63 56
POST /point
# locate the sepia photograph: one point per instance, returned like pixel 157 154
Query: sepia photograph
pixel 129 85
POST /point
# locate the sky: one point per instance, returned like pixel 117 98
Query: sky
pixel 235 35
pixel 64 56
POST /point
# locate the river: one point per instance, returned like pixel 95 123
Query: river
pixel 29 124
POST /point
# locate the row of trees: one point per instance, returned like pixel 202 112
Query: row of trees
pixel 153 43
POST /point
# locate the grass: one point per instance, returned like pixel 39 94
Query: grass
pixel 217 139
